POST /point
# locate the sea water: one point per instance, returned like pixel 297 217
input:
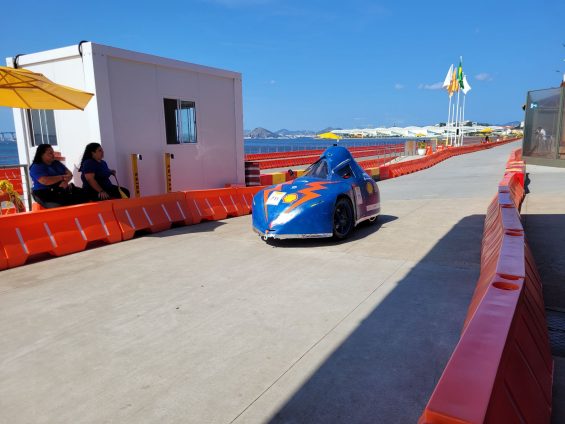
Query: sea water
pixel 8 153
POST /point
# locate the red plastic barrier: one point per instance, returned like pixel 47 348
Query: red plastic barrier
pixel 151 213
pixel 212 205
pixel 3 258
pixel 399 147
pixel 513 183
pixel 14 176
pixel 57 231
pixel 307 159
pixel 501 370
pixel 266 179
pixel 373 163
pixel 252 173
pixel 244 197
pixel 407 167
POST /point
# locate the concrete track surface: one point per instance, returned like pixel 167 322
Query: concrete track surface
pixel 209 324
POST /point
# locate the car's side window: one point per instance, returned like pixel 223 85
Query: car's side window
pixel 345 172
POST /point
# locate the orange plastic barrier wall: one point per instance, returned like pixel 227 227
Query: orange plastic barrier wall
pixel 67 230
pixel 398 147
pixel 302 159
pixel 402 168
pixel 501 371
pixel 55 231
pixel 151 213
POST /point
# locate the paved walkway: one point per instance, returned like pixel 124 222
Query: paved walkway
pixel 543 213
pixel 208 324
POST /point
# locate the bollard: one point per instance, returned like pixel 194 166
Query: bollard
pixel 134 158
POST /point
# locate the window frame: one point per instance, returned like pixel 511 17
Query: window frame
pixel 346 165
pixel 44 121
pixel 175 124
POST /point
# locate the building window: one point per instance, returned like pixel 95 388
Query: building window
pixel 180 121
pixel 43 127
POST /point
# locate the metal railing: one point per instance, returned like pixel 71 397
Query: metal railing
pixel 20 180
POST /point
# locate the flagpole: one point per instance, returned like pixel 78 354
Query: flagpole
pixel 452 125
pixel 463 115
pixel 447 123
pixel 457 120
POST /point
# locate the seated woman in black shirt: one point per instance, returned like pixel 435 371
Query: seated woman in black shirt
pixel 96 175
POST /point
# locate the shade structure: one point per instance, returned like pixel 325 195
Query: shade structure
pixel 329 136
pixel 486 130
pixel 24 89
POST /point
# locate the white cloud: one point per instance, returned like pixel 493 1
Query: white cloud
pixel 483 76
pixel 398 86
pixel 434 86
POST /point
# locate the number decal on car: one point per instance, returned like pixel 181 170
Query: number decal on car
pixel 275 198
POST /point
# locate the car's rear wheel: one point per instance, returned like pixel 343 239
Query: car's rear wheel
pixel 343 218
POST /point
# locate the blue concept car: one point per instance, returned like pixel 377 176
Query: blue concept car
pixel 330 199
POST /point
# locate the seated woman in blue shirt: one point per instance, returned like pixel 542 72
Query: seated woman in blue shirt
pixel 96 175
pixel 51 180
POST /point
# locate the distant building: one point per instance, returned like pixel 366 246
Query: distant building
pixel 8 136
pixel 544 127
pixel 145 105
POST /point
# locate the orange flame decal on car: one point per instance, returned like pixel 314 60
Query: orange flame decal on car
pixel 308 193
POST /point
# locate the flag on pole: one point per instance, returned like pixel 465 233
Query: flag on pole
pixel 453 85
pixel 466 87
pixel 460 75
pixel 447 79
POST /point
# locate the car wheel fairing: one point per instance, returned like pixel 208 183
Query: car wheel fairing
pixel 342 218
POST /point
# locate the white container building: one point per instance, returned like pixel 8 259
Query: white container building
pixel 144 105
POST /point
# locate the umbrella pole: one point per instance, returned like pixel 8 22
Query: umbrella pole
pixel 26 119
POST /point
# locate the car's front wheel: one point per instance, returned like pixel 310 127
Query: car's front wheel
pixel 343 218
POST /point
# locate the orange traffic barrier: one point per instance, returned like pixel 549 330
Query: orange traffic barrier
pixel 3 258
pixel 56 232
pixel 513 183
pixel 244 197
pixel 501 370
pixel 407 167
pixel 266 179
pixel 252 174
pixel 207 205
pixel 150 213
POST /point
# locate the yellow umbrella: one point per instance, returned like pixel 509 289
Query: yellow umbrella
pixel 25 89
pixel 329 136
pixel 486 130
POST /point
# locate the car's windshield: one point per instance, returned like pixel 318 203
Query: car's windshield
pixel 318 169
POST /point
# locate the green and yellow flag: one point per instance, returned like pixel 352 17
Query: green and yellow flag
pixel 460 75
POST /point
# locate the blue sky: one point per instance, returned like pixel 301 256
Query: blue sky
pixel 312 64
